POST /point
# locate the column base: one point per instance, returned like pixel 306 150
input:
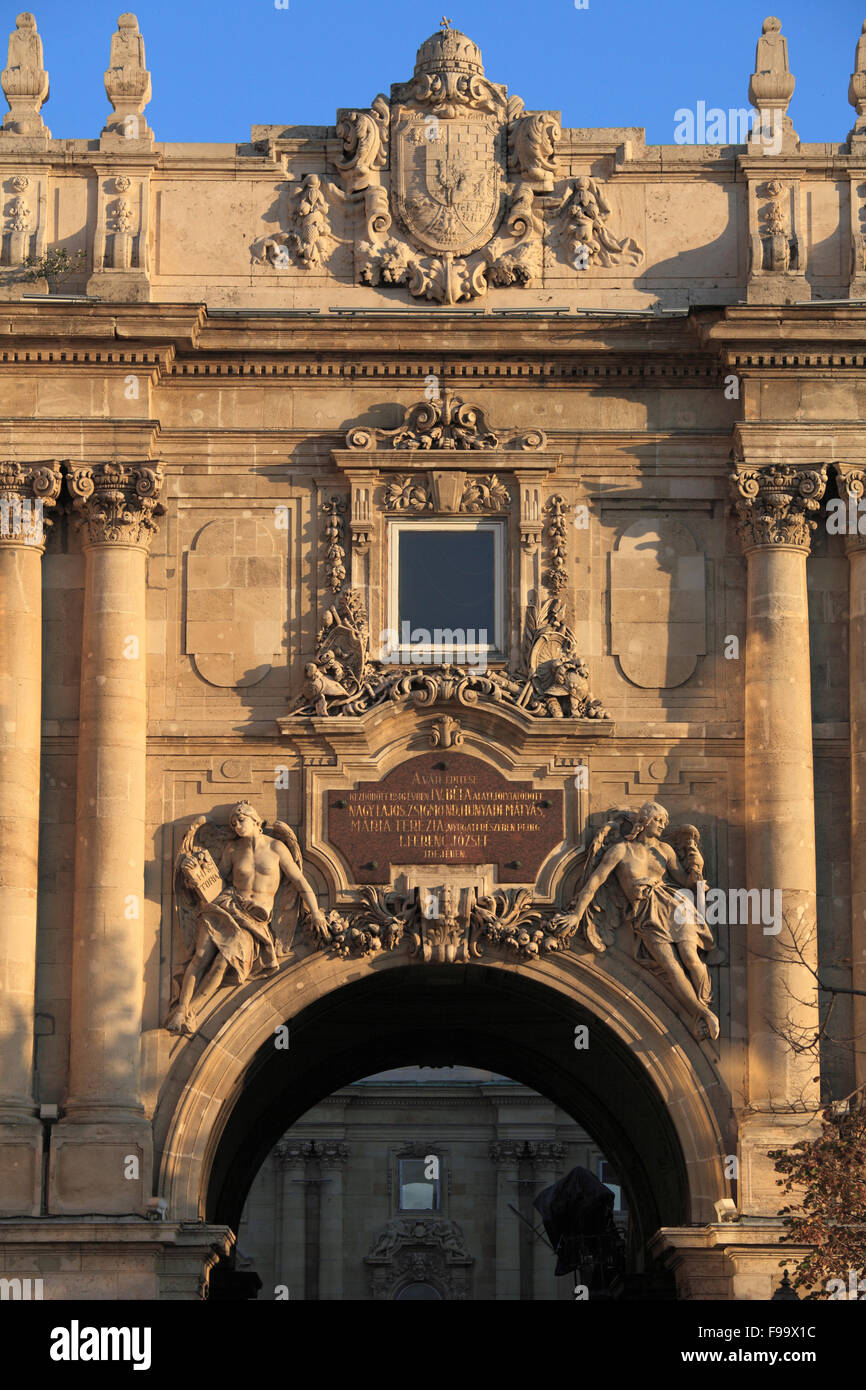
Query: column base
pixel 109 1260
pixel 100 1168
pixel 728 1262
pixel 21 1166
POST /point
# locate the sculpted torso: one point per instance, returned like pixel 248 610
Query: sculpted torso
pixel 253 867
pixel 644 862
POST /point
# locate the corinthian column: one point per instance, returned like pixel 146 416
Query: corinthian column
pixel 102 1151
pixel 773 506
pixel 852 487
pixel 25 492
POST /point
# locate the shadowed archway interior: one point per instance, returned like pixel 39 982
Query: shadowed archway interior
pixel 453 1015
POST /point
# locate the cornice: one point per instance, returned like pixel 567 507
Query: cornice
pixel 39 320
pixel 81 438
pixel 765 442
pixel 797 336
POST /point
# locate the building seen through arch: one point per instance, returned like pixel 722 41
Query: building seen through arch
pixel 418 1183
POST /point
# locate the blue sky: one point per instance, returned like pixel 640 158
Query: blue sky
pixel 220 67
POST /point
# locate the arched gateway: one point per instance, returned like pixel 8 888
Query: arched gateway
pixel 430 670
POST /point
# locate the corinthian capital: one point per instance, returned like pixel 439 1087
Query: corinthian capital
pixel 118 502
pixel 773 504
pixel 27 491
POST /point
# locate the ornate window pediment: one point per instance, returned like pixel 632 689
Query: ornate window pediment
pixel 419 474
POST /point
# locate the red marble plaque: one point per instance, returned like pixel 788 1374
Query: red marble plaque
pixel 445 809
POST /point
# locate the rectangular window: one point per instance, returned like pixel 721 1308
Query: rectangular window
pixel 417 1191
pixel 447 587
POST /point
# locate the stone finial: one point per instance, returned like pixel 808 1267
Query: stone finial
pixel 771 87
pixel 857 90
pixel 127 82
pixel 25 81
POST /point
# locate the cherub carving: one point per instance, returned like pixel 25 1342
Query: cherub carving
pixel 238 890
pixel 585 211
pixel 626 878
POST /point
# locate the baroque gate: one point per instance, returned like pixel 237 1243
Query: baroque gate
pixel 428 650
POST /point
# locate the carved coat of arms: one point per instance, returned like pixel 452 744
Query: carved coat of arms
pixel 448 180
pixel 444 188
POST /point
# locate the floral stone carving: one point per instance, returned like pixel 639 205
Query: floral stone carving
pixel 344 679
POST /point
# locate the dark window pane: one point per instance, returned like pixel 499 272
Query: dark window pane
pixel 447 582
pixel 418 1292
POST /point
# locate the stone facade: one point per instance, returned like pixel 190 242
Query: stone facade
pixel 497 1144
pixel 638 372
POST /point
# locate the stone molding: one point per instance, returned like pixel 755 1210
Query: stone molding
pixel 539 1153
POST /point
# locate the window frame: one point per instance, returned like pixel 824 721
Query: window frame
pixel 493 651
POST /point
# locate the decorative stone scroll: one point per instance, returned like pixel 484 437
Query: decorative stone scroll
pixel 27 493
pixel 117 502
pixel 552 681
pixel 444 422
pixel 532 141
pixel 412 1251
pixel 773 504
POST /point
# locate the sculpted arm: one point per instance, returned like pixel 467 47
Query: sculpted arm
pixel 593 883
pixel 226 861
pixel 296 878
pixel 679 875
pixel 564 923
